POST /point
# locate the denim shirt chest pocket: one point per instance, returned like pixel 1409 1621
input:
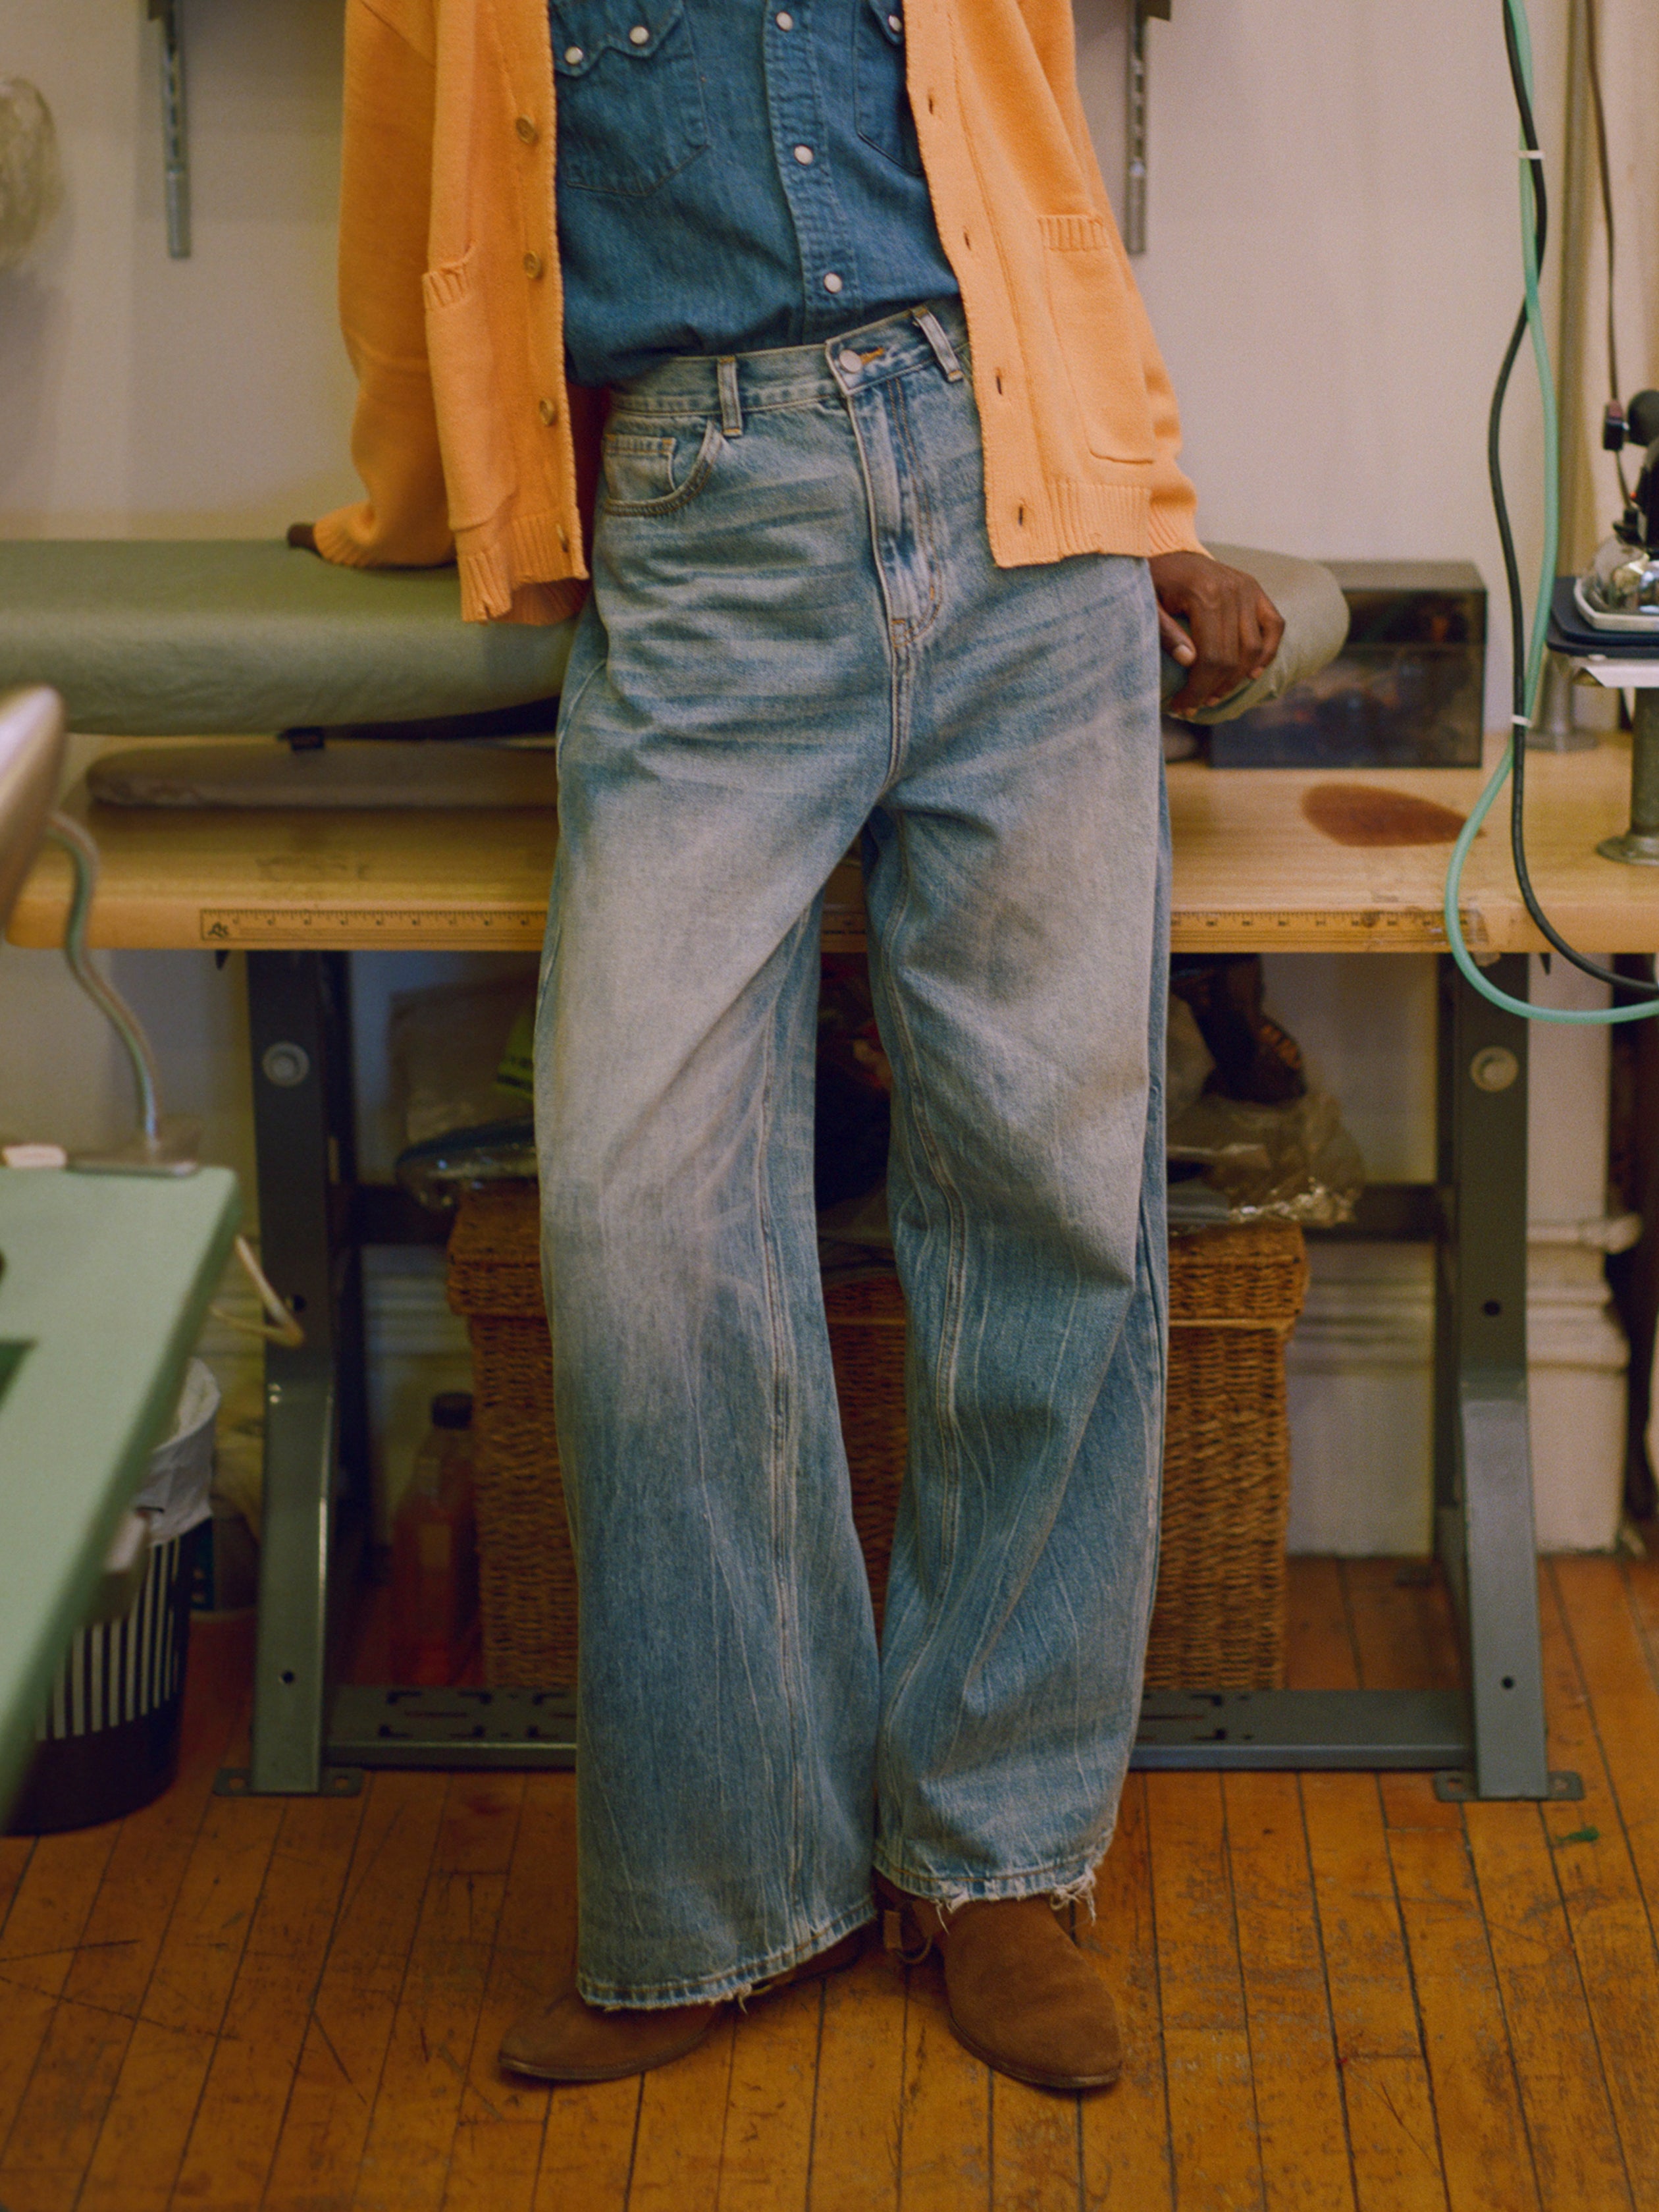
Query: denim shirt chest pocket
pixel 630 100
pixel 880 101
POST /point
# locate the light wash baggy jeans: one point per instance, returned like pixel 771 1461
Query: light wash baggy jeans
pixel 797 631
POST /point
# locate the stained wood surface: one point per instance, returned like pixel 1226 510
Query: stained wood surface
pixel 1276 859
pixel 1338 1994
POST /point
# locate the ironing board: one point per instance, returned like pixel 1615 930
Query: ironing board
pixel 223 637
pixel 160 638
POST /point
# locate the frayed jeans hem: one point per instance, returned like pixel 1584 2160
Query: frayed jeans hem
pixel 1073 1883
pixel 740 1983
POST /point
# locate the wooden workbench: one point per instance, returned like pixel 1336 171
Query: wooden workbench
pixel 1274 859
pixel 1288 859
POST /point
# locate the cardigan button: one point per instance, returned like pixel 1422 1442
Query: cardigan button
pixel 532 264
pixel 549 410
pixel 527 131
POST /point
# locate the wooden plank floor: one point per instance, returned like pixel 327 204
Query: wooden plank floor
pixel 1340 1994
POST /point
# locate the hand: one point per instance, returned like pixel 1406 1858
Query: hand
pixel 1232 628
pixel 302 537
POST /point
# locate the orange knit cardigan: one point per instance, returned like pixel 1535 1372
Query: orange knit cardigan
pixel 469 442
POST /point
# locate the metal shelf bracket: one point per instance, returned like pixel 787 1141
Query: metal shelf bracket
pixel 175 143
pixel 1134 181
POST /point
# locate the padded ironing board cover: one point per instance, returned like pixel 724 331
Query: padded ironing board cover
pixel 154 638
pixel 186 638
pixel 1315 616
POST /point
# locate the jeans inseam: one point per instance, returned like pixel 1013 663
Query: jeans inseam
pixel 1155 1486
pixel 955 1273
pixel 783 1497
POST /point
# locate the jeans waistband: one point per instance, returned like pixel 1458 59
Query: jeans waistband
pixel 933 336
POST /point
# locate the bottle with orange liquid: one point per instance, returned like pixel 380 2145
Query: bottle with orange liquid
pixel 434 1557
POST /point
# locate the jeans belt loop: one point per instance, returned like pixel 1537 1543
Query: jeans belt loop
pixel 943 351
pixel 731 408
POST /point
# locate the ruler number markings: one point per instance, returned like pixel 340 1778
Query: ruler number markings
pixel 364 924
pixel 1346 924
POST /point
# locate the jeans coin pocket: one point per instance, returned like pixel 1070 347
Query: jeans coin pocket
pixel 655 472
pixel 629 97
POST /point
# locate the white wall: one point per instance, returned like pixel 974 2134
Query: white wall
pixel 1333 265
pixel 150 397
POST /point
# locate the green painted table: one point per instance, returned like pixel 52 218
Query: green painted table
pixel 105 1282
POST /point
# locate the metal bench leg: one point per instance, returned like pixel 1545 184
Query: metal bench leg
pixel 1483 1472
pixel 298 1019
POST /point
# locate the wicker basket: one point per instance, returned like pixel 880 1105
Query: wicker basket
pixel 526 1571
pixel 1219 1622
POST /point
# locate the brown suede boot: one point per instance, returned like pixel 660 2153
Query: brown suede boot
pixel 1022 1996
pixel 568 2039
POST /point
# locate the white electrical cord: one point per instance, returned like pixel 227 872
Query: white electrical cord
pixel 280 1327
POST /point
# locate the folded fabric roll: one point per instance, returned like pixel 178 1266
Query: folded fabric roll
pixel 233 637
pixel 1315 616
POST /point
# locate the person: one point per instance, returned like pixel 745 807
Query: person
pixel 794 344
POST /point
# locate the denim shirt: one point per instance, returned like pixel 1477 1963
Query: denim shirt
pixel 733 176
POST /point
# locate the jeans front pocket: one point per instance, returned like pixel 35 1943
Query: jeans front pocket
pixel 651 471
pixel 881 103
pixel 1094 328
pixel 629 100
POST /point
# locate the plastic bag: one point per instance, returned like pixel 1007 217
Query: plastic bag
pixel 180 1471
pixel 450 1045
pixel 1290 1162
pixel 1188 1059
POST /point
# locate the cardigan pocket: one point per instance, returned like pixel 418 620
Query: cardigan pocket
pixel 478 473
pixel 1095 327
